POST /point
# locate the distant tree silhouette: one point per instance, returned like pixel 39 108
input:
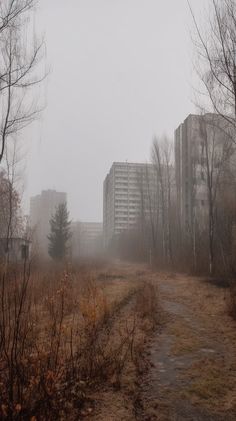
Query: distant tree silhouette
pixel 60 233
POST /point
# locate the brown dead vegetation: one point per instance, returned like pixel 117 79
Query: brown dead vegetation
pixel 64 331
pixel 232 301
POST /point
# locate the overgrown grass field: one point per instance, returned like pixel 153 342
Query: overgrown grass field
pixel 65 331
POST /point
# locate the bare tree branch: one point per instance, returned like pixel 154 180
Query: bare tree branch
pixel 216 52
pixel 19 68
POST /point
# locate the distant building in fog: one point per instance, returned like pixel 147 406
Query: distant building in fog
pixel 123 190
pixel 86 239
pixel 190 161
pixel 42 207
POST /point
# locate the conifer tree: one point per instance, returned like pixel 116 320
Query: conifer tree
pixel 60 233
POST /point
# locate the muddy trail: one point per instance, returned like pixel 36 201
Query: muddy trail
pixel 192 361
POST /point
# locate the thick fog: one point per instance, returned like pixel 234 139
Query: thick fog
pixel 120 72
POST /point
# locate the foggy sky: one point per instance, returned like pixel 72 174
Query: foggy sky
pixel 120 72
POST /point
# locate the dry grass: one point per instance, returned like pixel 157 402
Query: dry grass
pixel 212 386
pixel 188 341
pixel 67 330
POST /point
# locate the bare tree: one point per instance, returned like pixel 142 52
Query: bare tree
pixel 216 53
pixel 11 10
pixel 20 55
pixel 215 45
pixel 215 156
pixel 157 161
pixel 167 158
pixel 161 158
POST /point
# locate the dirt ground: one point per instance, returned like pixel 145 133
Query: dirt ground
pixel 187 370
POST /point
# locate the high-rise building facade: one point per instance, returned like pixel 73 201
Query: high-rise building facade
pixel 198 138
pixel 42 207
pixel 123 190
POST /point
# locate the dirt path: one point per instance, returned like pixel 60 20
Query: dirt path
pixel 112 400
pixel 193 358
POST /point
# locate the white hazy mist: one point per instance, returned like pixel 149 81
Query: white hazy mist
pixel 120 72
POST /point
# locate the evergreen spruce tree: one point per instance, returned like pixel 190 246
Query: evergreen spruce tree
pixel 60 233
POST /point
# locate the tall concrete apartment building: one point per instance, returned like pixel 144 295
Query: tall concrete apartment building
pixel 42 207
pixel 122 197
pixel 190 162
